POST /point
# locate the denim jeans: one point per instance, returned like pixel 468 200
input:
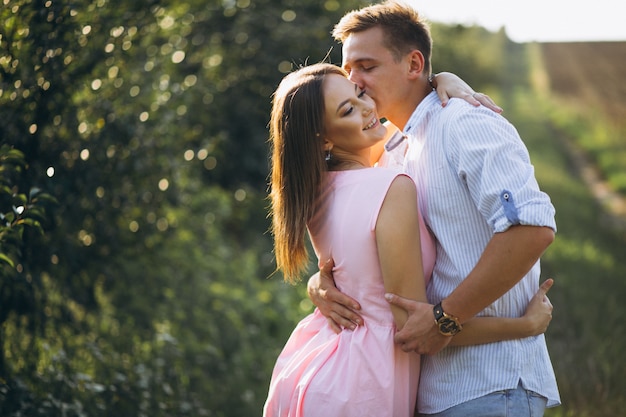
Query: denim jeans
pixel 508 403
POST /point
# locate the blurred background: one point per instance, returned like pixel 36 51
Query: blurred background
pixel 136 270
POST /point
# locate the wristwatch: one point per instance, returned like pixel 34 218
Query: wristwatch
pixel 448 325
pixel 432 81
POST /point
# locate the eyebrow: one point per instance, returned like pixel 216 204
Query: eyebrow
pixel 343 103
pixel 360 61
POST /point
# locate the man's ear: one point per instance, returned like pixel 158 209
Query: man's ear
pixel 416 63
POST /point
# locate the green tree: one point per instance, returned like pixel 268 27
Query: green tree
pixel 147 121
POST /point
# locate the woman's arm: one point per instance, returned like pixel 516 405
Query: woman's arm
pixel 535 321
pixel 450 85
pixel 398 242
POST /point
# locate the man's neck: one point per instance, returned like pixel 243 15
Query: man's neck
pixel 404 112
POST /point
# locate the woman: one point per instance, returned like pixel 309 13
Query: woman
pixel 322 130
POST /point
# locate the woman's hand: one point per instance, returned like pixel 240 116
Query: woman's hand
pixel 539 311
pixel 450 85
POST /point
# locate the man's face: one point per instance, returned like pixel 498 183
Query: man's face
pixel 373 68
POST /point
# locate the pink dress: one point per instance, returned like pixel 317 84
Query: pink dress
pixel 355 373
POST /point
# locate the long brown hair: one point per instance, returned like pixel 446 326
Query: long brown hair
pixel 298 163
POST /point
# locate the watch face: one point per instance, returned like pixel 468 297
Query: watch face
pixel 448 326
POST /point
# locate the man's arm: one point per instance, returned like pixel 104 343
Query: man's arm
pixel 506 259
pixel 339 309
pixel 534 322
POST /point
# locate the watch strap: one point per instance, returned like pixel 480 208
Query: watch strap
pixel 448 324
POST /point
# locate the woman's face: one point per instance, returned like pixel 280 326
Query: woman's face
pixel 351 121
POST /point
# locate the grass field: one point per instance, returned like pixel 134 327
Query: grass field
pixel 590 74
pixel 587 80
pixel 583 102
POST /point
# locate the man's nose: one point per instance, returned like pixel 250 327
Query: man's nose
pixel 355 79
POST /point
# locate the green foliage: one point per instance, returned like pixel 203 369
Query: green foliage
pixel 198 338
pixel 147 121
pixel 488 61
pixel 22 220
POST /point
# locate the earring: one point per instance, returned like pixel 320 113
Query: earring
pixel 328 155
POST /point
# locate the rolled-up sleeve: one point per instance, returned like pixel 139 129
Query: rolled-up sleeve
pixel 490 157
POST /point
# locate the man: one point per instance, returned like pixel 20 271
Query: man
pixel 479 197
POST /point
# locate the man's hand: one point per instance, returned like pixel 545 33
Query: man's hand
pixel 419 334
pixel 338 308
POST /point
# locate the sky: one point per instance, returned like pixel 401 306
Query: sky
pixel 534 20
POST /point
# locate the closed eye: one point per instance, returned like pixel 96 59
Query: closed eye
pixel 360 96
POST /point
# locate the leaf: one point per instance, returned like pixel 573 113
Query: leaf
pixel 5 259
pixel 19 200
pixel 32 223
pixel 35 213
pixel 33 192
pixel 45 198
pixel 5 189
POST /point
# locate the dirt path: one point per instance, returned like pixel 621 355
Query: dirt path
pixel 591 75
pixel 614 203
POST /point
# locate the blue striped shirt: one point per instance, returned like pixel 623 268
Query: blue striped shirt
pixel 474 179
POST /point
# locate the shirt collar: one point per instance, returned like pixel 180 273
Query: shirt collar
pixel 421 112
